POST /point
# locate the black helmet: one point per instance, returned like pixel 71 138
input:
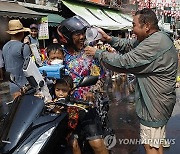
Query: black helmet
pixel 72 25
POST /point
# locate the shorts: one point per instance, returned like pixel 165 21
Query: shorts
pixel 152 136
pixel 89 125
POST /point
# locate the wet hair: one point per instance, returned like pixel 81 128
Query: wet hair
pixel 66 82
pixel 54 48
pixel 147 15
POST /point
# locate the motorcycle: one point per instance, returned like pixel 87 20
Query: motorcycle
pixel 30 128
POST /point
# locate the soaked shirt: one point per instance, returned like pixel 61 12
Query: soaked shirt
pixel 154 62
pixel 79 66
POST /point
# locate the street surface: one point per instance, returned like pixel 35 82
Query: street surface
pixel 126 125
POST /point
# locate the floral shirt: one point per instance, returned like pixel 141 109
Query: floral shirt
pixel 79 66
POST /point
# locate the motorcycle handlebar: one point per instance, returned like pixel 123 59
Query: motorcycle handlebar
pixel 73 103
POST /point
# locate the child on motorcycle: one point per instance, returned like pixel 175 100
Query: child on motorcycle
pixel 55 54
pixel 62 89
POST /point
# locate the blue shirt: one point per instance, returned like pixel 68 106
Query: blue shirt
pixel 13 61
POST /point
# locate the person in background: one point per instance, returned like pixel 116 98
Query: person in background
pixel 32 41
pixel 32 38
pixel 154 62
pixel 14 53
pixel 55 40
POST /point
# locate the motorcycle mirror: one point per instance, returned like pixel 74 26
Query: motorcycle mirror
pixel 88 81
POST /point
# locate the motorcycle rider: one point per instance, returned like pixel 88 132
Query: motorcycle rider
pixel 72 36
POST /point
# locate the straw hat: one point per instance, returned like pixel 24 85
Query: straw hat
pixel 15 26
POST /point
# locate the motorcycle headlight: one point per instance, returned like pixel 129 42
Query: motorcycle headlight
pixel 40 142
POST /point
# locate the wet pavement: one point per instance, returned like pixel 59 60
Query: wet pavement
pixel 173 127
pixel 126 125
pixel 123 119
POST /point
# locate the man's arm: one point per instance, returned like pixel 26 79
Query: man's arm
pixel 137 60
pixel 122 44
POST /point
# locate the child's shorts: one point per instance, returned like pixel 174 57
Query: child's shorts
pixel 154 136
